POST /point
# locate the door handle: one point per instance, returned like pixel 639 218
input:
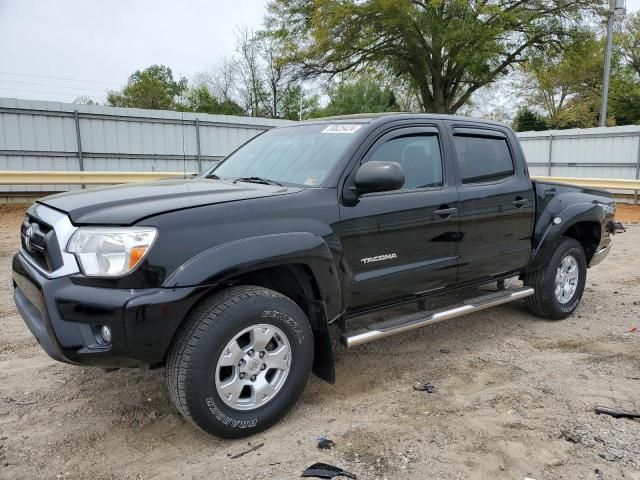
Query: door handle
pixel 520 202
pixel 445 212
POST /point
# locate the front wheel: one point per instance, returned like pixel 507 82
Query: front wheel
pixel 559 285
pixel 240 362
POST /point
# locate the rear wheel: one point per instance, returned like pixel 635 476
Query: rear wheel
pixel 559 285
pixel 240 362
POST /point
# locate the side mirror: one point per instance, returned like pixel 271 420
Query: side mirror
pixel 379 177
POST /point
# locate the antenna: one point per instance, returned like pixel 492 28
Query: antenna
pixel 301 95
pixel 184 150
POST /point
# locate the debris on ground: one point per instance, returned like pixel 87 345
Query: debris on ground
pixel 325 443
pixel 425 387
pixel 616 413
pixel 570 436
pixel 612 439
pixel 324 470
pixel 618 227
pixel 242 454
pixel 445 350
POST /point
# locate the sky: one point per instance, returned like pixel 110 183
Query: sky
pixel 59 50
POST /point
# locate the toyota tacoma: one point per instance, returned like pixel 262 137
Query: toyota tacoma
pixel 233 279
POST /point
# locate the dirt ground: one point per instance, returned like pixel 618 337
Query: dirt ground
pixel 515 398
pixel 627 213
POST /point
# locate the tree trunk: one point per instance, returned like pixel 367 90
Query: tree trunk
pixel 433 102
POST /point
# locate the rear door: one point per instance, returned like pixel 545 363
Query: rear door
pixel 497 204
pixel 402 243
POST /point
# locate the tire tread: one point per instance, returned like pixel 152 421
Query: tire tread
pixel 542 301
pixel 203 317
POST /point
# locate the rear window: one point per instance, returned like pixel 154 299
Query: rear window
pixel 483 159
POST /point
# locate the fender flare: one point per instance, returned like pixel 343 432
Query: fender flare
pixel 546 239
pixel 219 264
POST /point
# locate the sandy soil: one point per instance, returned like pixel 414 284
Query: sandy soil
pixel 515 398
pixel 627 213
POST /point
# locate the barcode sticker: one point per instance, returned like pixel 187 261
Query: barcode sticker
pixel 342 128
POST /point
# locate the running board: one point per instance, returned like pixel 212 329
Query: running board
pixel 412 321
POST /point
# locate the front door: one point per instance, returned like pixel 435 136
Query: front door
pixel 401 244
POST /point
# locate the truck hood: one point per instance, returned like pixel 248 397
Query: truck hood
pixel 130 203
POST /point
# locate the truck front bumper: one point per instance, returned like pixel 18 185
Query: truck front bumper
pixel 66 318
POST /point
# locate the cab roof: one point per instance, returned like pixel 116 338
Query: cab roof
pixel 382 116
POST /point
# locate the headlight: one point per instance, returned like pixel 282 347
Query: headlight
pixel 110 251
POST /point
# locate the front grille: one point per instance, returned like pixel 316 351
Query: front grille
pixel 40 243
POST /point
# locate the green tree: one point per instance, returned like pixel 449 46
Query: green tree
pixel 624 97
pixel 628 41
pixel 200 99
pixel 229 107
pixel 446 49
pixel 579 112
pixel 527 121
pixel 364 95
pixel 295 104
pixel 624 100
pixel 153 87
pixel 567 84
pixel 557 76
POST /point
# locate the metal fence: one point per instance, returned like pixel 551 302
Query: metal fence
pixel 40 136
pixel 52 136
pixel 610 152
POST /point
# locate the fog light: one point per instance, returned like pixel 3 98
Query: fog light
pixel 105 332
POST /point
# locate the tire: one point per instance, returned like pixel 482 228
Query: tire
pixel 545 302
pixel 198 374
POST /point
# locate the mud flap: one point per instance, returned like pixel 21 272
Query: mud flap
pixel 323 360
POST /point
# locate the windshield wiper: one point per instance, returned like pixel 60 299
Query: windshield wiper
pixel 212 175
pixel 263 181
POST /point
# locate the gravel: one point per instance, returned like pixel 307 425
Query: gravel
pixel 511 387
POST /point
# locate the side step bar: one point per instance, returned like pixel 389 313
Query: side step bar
pixel 416 320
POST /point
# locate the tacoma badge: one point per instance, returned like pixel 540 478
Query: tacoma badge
pixel 379 258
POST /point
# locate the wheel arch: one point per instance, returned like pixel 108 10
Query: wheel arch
pixel 297 265
pixel 582 222
pixel 297 282
pixel 588 233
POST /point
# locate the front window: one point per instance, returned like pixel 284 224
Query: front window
pixel 419 156
pixel 298 155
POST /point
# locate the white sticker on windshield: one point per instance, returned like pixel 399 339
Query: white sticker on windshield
pixel 311 182
pixel 342 128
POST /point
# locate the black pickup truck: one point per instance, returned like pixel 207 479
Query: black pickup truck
pixel 232 279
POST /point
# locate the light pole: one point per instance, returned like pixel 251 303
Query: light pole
pixel 616 8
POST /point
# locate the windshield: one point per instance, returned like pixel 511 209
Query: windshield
pixel 298 155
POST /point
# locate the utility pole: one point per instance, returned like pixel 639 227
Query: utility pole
pixel 616 7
